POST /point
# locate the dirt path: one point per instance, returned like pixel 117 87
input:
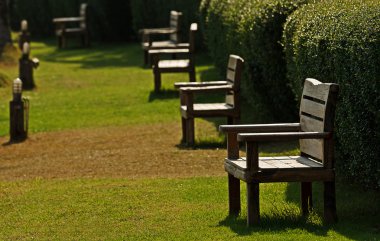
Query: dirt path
pixel 117 152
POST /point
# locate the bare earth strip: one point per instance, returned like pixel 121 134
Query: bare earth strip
pixel 144 151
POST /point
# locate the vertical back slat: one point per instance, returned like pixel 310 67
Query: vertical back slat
pixel 230 75
pixel 230 99
pixel 175 22
pixel 234 69
pixel 83 14
pixel 315 115
pixel 193 30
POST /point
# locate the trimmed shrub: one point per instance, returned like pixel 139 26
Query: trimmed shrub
pixel 339 41
pixel 155 13
pixel 108 20
pixel 253 29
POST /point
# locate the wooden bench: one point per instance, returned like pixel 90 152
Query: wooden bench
pixel 185 65
pixel 174 36
pixel 63 32
pixel 230 108
pixel 315 162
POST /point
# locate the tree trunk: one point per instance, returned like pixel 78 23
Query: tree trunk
pixel 5 33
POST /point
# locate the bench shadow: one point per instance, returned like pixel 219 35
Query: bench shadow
pixel 201 144
pixel 163 94
pixel 97 56
pixel 273 224
pixel 356 207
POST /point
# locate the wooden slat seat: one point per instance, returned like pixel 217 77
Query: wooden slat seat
pixel 165 45
pixel 315 162
pixel 278 162
pixel 208 110
pixel 170 64
pixel 230 108
pixel 183 65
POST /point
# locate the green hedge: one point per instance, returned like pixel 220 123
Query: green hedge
pixel 339 41
pixel 253 29
pixel 108 20
pixel 155 13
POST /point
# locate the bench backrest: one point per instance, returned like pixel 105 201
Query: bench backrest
pixel 317 112
pixel 175 22
pixel 83 14
pixel 193 30
pixel 233 77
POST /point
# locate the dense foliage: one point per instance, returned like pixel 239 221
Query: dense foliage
pixel 155 13
pixel 108 20
pixel 339 41
pixel 253 29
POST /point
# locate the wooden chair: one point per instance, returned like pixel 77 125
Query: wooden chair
pixel 315 163
pixel 185 65
pixel 174 36
pixel 229 109
pixel 63 33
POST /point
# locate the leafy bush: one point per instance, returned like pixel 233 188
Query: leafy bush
pixel 339 41
pixel 108 20
pixel 253 29
pixel 155 13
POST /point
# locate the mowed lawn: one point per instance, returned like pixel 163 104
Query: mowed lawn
pixel 105 89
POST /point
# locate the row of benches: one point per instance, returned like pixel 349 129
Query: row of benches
pixel 314 130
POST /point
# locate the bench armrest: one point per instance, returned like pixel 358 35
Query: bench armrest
pixel 206 89
pixel 67 20
pixel 199 84
pixel 157 31
pixel 280 127
pixel 282 136
pixel 169 51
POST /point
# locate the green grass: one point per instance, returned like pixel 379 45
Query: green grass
pixel 102 86
pixel 167 209
pixel 106 86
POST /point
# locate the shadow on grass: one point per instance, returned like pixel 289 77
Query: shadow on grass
pixel 358 209
pixel 163 94
pixel 201 144
pixel 106 55
pixel 273 224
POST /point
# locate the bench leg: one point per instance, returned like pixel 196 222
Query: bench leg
pixel 184 138
pixel 306 197
pixel 330 215
pixel 253 203
pixel 233 195
pixel 60 42
pixel 230 120
pixel 190 131
pixel 146 56
pixel 87 40
pixel 157 79
pixel 83 41
pixel 64 42
pixel 192 75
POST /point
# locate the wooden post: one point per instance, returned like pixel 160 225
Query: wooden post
pixel 330 215
pixel 253 204
pixel 234 195
pixel 26 66
pixel 253 193
pixel 189 119
pixel 233 182
pixel 306 197
pixel 17 130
